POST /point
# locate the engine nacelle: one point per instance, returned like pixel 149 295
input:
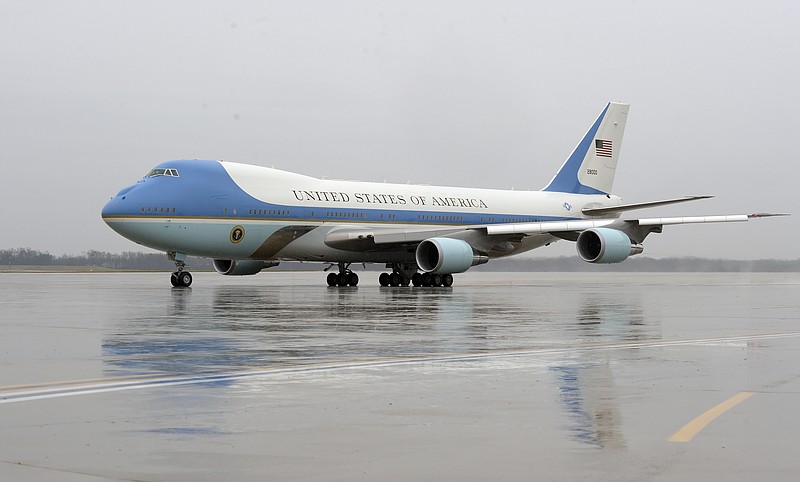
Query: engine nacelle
pixel 605 245
pixel 241 267
pixel 447 255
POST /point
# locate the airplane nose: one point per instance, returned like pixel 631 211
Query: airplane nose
pixel 119 204
pixel 114 207
pixel 109 209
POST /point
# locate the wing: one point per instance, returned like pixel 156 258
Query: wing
pixel 379 238
pixel 636 229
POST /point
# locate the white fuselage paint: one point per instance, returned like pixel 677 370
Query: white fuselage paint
pixel 291 189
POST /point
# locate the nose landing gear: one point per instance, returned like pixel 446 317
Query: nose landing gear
pixel 180 278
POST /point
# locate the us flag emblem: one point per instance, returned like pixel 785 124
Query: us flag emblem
pixel 602 147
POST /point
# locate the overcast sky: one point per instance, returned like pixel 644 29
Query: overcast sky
pixel 491 94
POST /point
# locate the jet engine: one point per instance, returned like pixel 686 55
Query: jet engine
pixel 241 267
pixel 605 245
pixel 447 256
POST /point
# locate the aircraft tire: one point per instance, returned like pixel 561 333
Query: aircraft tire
pixel 174 279
pixel 383 279
pixel 447 280
pixel 416 279
pixel 395 279
pixel 437 280
pixel 341 279
pixel 425 279
pixel 184 279
pixel 352 279
pixel 332 279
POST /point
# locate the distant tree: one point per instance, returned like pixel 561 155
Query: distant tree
pixel 133 260
pixel 25 256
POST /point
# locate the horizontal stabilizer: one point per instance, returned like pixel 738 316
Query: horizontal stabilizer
pixel 630 207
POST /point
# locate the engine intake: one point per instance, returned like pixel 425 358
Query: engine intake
pixel 447 256
pixel 241 267
pixel 605 245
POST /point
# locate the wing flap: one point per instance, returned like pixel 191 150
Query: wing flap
pixel 362 239
pixel 734 218
pixel 731 218
pixel 414 236
pixel 547 227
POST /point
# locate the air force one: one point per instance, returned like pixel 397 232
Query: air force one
pixel 248 218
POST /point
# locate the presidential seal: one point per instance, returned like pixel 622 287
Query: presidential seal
pixel 237 234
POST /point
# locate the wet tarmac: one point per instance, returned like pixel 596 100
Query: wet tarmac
pixel 538 376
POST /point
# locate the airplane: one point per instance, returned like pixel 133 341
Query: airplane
pixel 248 218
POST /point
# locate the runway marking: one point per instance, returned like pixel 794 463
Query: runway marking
pixel 688 432
pixel 65 383
pixel 43 391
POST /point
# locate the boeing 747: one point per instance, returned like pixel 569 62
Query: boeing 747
pixel 248 218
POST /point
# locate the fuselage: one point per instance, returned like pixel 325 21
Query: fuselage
pixel 236 211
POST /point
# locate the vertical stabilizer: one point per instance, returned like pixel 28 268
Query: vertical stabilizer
pixel 591 167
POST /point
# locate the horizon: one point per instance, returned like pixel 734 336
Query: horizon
pixel 520 257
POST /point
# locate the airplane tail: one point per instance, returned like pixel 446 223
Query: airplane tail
pixel 591 167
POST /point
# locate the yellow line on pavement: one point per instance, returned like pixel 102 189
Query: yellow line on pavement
pixel 67 383
pixel 688 432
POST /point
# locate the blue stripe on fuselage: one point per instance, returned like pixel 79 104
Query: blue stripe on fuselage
pixel 204 189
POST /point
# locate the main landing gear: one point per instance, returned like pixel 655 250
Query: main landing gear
pixel 344 277
pixel 180 278
pixel 425 280
pixel 403 275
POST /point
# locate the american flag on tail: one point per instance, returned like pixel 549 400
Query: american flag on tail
pixel 602 147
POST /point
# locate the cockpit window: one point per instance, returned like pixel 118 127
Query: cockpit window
pixel 163 172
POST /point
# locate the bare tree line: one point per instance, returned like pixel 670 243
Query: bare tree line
pixel 133 260
pixel 130 260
